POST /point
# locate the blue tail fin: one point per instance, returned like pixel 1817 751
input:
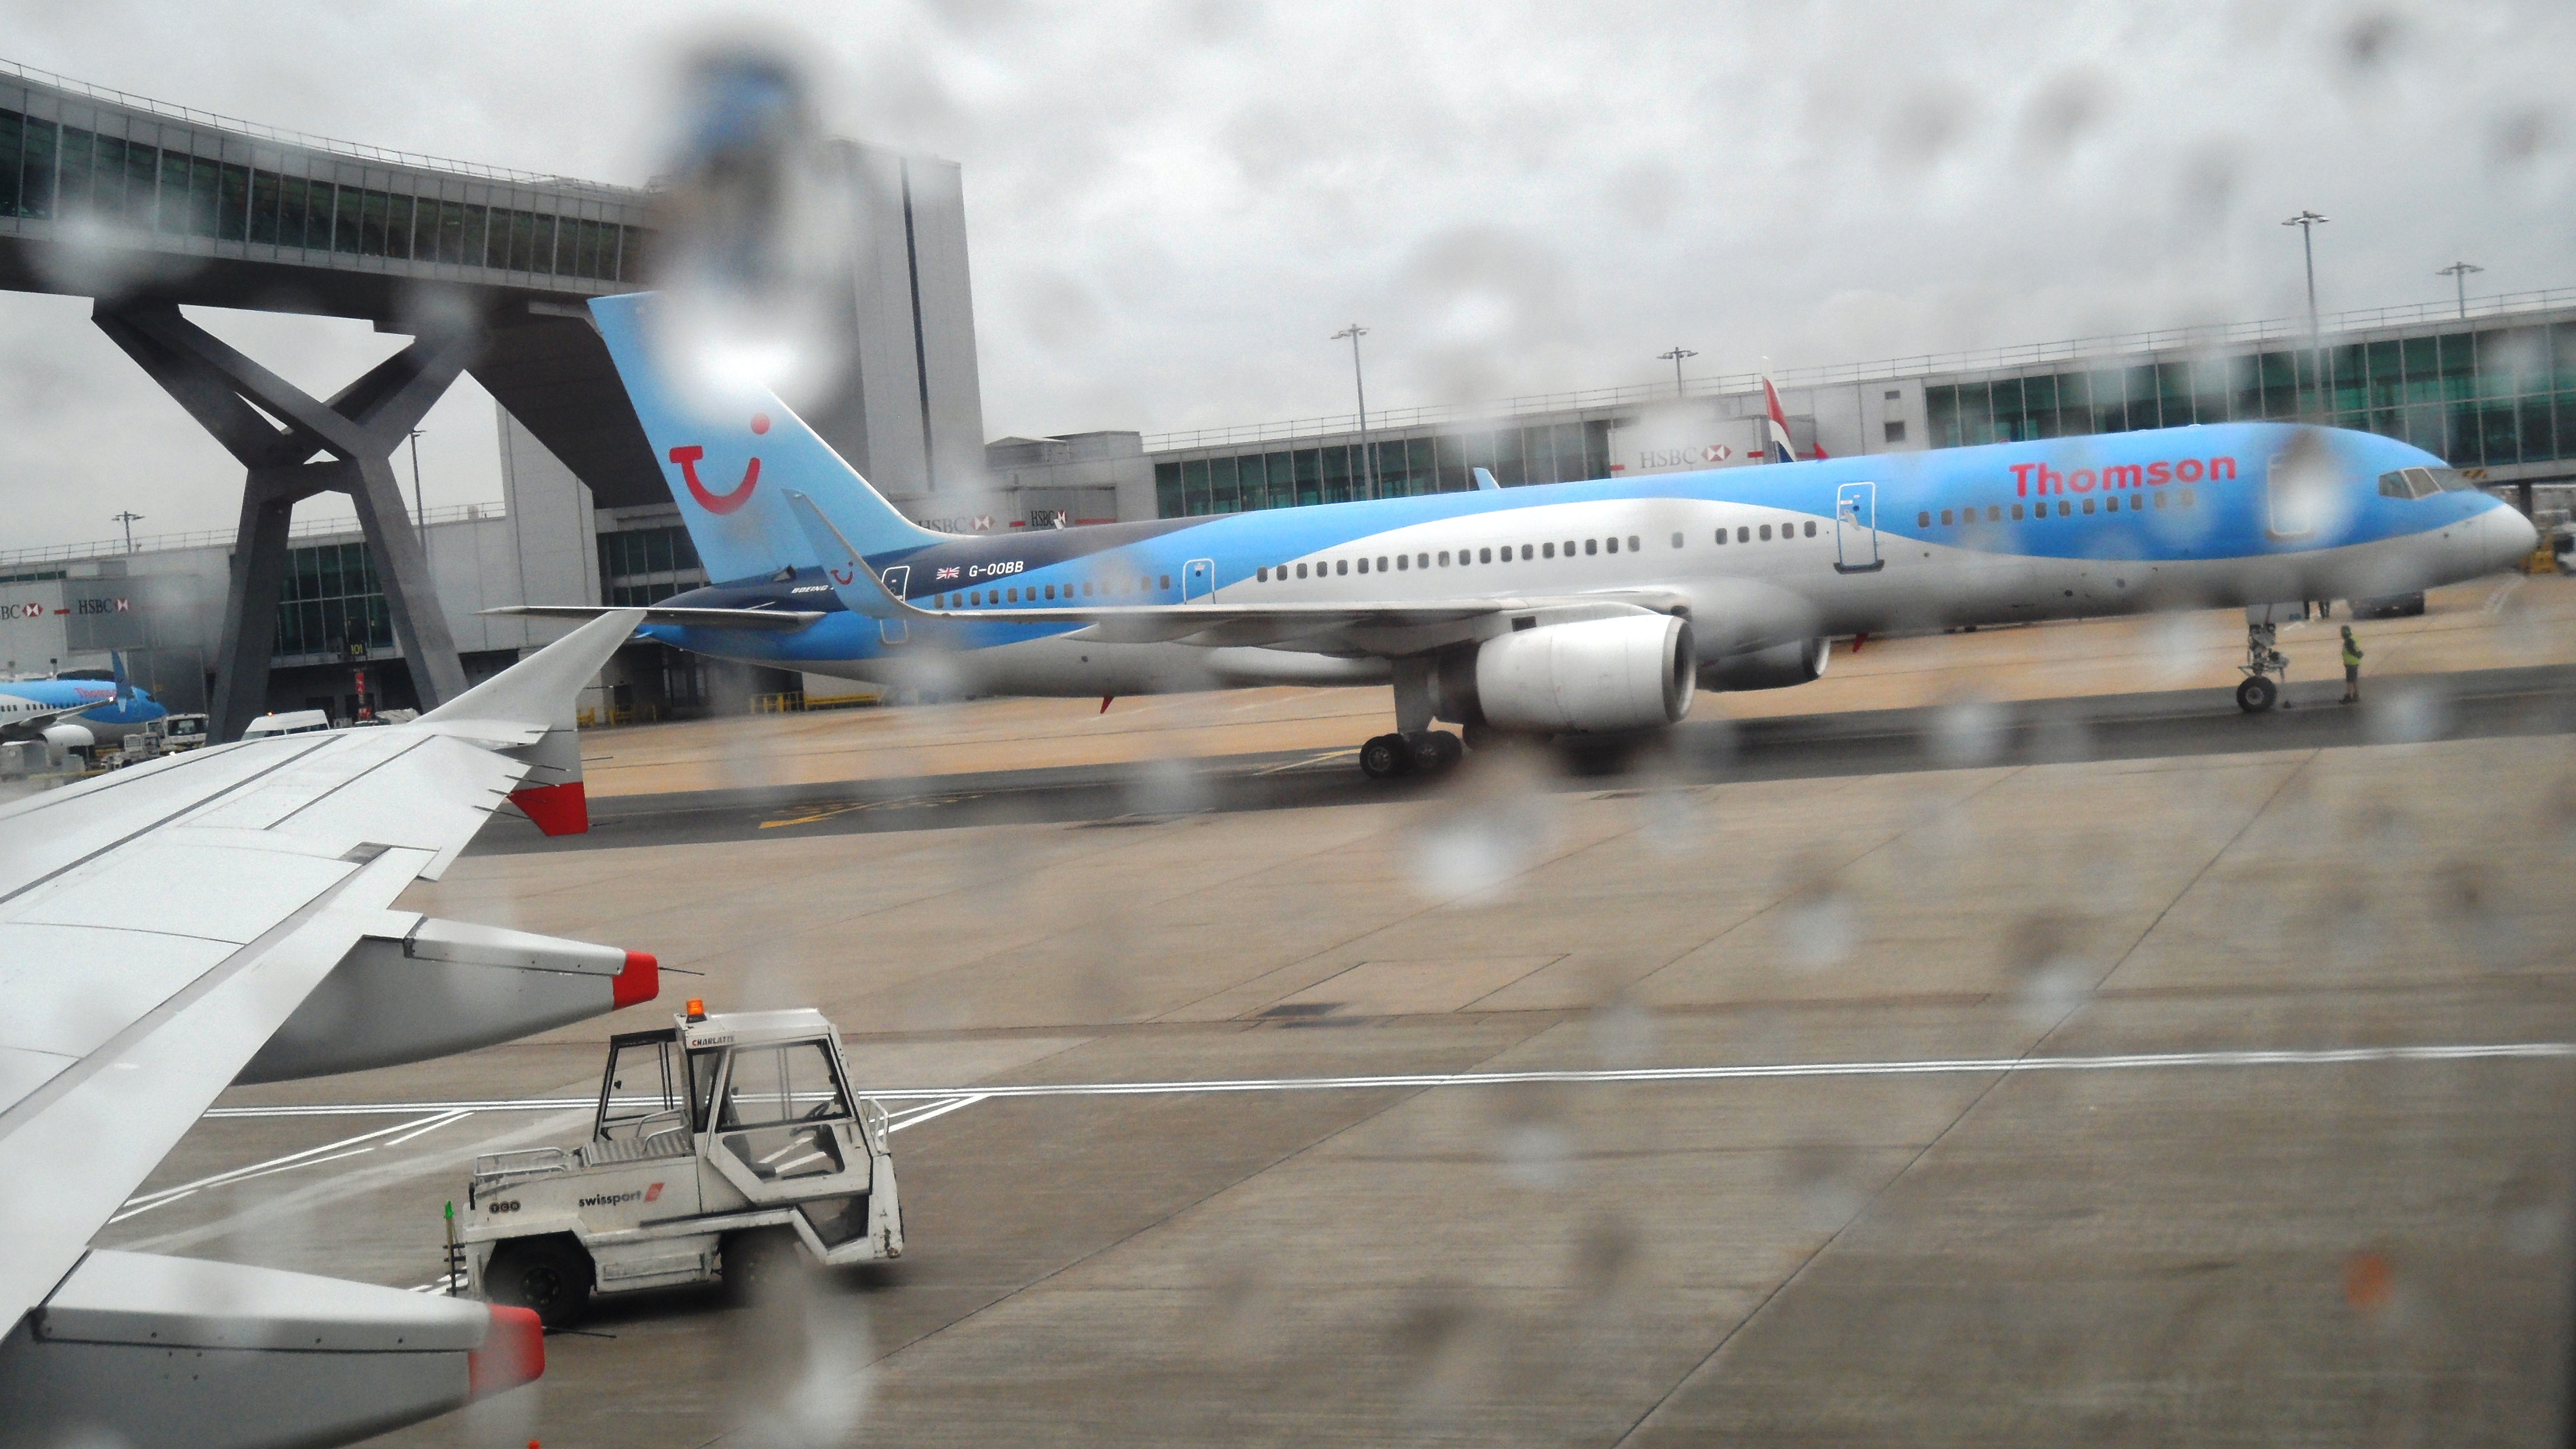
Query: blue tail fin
pixel 731 453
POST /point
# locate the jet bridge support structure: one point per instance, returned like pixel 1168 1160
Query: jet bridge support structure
pixel 295 446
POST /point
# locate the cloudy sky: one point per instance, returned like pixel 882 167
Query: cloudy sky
pixel 1171 206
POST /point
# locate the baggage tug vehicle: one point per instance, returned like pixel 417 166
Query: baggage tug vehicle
pixel 722 1144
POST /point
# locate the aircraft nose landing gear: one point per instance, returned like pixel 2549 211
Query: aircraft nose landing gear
pixel 2263 658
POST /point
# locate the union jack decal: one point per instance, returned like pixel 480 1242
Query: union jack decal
pixel 945 574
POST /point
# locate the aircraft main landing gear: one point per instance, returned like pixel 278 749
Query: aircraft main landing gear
pixel 2263 659
pixel 1423 752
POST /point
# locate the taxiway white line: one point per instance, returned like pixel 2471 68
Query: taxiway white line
pixel 242 1176
pixel 920 1115
pixel 450 1120
pixel 1956 1066
pixel 154 1199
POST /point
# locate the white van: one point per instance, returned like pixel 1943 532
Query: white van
pixel 292 722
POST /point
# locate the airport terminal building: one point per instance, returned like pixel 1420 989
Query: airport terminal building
pixel 223 213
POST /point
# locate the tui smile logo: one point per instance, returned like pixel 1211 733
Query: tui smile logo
pixel 720 503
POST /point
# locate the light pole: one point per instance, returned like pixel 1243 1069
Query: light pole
pixel 1675 358
pixel 2460 272
pixel 420 515
pixel 2307 222
pixel 1368 462
pixel 129 518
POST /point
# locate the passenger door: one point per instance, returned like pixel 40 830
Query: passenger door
pixel 896 580
pixel 1856 529
pixel 1198 579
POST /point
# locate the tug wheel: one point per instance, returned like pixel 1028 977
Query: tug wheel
pixel 548 1276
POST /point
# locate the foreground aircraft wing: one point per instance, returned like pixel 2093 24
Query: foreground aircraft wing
pixel 781 620
pixel 212 903
pixel 1390 628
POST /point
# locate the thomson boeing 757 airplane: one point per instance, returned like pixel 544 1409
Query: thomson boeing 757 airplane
pixel 1564 609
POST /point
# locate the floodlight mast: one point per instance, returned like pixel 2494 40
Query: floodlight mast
pixel 2460 272
pixel 1359 386
pixel 129 518
pixel 2307 222
pixel 1675 358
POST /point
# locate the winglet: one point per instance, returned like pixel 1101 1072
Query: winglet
pixel 861 591
pixel 529 709
pixel 1485 482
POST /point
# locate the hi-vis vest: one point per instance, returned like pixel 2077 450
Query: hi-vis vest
pixel 2351 653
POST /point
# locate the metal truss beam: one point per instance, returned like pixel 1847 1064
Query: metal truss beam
pixel 293 446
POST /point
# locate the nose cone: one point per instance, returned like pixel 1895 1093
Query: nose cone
pixel 2508 536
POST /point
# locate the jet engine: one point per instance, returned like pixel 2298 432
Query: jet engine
pixel 1800 661
pixel 61 740
pixel 1594 676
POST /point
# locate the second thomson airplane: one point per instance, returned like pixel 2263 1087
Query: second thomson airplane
pixel 1592 608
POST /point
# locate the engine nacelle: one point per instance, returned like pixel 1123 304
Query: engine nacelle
pixel 1800 661
pixel 62 740
pixel 1594 676
pixel 422 987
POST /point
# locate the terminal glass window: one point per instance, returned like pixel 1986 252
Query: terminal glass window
pixel 329 600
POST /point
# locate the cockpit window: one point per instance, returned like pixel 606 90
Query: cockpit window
pixel 2422 482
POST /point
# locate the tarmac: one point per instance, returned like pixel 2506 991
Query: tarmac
pixel 2020 1090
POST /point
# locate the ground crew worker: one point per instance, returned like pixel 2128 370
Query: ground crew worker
pixel 2351 667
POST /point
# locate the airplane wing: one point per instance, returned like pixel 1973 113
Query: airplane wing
pixel 1390 629
pixel 208 900
pixel 34 726
pixel 780 620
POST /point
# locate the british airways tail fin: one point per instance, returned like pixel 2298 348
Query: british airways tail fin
pixel 1780 450
pixel 729 452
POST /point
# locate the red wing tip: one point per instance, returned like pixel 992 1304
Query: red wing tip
pixel 557 809
pixel 513 1353
pixel 640 981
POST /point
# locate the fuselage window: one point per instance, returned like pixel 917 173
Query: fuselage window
pixel 1486 555
pixel 1632 542
pixel 1444 558
pixel 1945 518
pixel 975 597
pixel 1015 595
pixel 2112 503
pixel 1167 580
pixel 1590 546
pixel 2016 513
pixel 1363 565
pixel 1341 565
pixel 1743 534
pixel 1677 540
pixel 1614 545
pixel 1381 563
pixel 1994 513
pixel 2064 509
pixel 1261 576
pixel 1721 536
pixel 1569 548
pixel 1422 560
pixel 1923 519
pixel 1525 553
pixel 1766 533
pixel 1547 550
pixel 2160 500
pixel 2186 498
pixel 1810 527
pixel 2088 505
pixel 1399 562
pixel 1050 591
